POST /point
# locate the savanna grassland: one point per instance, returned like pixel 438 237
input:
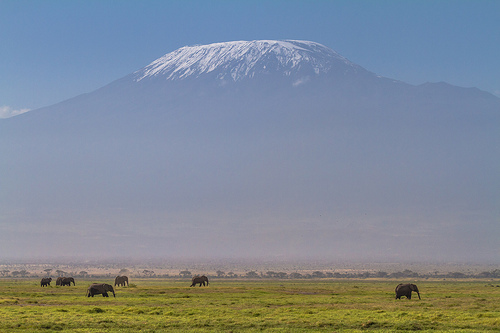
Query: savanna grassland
pixel 241 305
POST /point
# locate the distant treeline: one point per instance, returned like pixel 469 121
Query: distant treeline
pixel 365 275
pixel 495 274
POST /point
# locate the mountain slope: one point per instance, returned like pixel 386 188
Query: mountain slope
pixel 254 149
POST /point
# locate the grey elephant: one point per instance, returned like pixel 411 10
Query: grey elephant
pixel 406 289
pixel 59 281
pixel 121 280
pixel 45 282
pixel 66 281
pixel 100 288
pixel 199 279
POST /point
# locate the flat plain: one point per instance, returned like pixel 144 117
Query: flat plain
pixel 244 305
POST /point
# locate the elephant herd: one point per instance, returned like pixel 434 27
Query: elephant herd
pixel 103 288
pixel 65 281
pixel 93 289
pixel 61 281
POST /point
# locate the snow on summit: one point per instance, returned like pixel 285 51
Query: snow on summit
pixel 239 59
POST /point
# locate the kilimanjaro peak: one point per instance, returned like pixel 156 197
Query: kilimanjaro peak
pixel 238 60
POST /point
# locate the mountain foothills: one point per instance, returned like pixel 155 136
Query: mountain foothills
pixel 255 149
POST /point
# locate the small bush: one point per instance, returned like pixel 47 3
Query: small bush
pixel 96 310
pixel 370 324
pixel 52 327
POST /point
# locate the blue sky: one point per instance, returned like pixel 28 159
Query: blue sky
pixel 53 50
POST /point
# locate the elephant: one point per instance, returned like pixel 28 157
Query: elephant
pixel 121 280
pixel 100 288
pixel 59 281
pixel 45 282
pixel 405 290
pixel 66 281
pixel 199 279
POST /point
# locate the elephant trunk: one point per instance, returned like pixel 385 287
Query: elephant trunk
pixel 418 295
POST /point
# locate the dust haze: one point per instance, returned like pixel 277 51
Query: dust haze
pixel 353 168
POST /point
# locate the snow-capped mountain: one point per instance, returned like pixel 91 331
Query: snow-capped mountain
pixel 245 59
pixel 250 149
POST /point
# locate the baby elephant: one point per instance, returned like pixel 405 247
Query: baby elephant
pixel 405 290
pixel 100 288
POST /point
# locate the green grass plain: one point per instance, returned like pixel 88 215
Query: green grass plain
pixel 240 305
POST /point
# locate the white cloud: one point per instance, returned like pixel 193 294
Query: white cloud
pixel 7 111
pixel 301 81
